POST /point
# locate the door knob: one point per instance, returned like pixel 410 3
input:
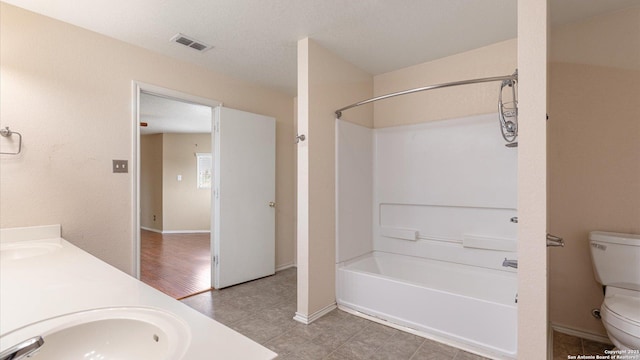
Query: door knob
pixel 272 204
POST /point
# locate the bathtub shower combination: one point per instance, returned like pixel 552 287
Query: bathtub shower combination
pixel 426 216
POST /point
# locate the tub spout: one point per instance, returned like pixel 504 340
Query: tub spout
pixel 23 349
pixel 510 263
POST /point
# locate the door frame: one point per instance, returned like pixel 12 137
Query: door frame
pixel 138 87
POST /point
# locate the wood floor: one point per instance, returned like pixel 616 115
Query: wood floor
pixel 179 265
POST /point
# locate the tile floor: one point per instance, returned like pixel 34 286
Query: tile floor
pixel 565 345
pixel 263 310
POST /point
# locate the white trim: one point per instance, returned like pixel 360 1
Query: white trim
pixel 176 231
pixel 285 266
pixel 581 333
pixel 177 95
pixel 316 315
pixel 135 178
pixel 459 345
pixel 136 88
pixel 550 342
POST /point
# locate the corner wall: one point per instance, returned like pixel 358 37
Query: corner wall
pixel 593 154
pixel 325 83
pixel 69 91
pixel 533 320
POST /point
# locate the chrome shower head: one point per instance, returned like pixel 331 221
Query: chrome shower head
pixel 508 112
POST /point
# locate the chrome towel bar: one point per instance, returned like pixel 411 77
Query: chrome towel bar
pixel 6 132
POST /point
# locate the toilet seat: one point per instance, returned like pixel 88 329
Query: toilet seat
pixel 622 313
pixel 625 308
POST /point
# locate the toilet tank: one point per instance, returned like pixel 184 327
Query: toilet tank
pixel 616 259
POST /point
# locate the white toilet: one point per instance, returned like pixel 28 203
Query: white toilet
pixel 616 263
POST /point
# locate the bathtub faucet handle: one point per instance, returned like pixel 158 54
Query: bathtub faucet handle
pixel 510 263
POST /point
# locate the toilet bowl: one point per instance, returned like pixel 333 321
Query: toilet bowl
pixel 620 313
pixel 616 263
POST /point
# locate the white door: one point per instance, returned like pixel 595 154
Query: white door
pixel 244 197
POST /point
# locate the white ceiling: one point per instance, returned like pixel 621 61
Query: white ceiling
pixel 164 115
pixel 256 40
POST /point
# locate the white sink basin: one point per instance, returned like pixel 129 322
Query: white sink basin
pixel 23 250
pixel 107 334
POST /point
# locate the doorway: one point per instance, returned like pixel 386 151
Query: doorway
pixel 173 178
pixel 234 163
pixel 177 264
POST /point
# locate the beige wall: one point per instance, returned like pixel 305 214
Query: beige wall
pixel 594 154
pixel 184 206
pixel 325 83
pixel 68 91
pixel 151 181
pixel 167 204
pixel 532 185
pixel 609 40
pixel 493 60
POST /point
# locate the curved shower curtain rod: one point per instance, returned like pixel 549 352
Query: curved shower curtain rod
pixel 513 77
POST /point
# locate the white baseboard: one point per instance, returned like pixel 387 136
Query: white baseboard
pixel 550 341
pixel 186 231
pixel 581 333
pixel 308 319
pixel 175 231
pixel 285 267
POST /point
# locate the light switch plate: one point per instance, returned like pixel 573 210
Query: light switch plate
pixel 120 166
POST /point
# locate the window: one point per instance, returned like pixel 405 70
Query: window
pixel 204 168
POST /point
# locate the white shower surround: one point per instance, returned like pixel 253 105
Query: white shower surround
pixel 423 225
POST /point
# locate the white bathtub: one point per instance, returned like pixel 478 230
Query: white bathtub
pixel 469 307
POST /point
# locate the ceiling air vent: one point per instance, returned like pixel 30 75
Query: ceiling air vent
pixel 191 42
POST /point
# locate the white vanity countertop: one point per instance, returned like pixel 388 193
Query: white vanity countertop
pixel 69 280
